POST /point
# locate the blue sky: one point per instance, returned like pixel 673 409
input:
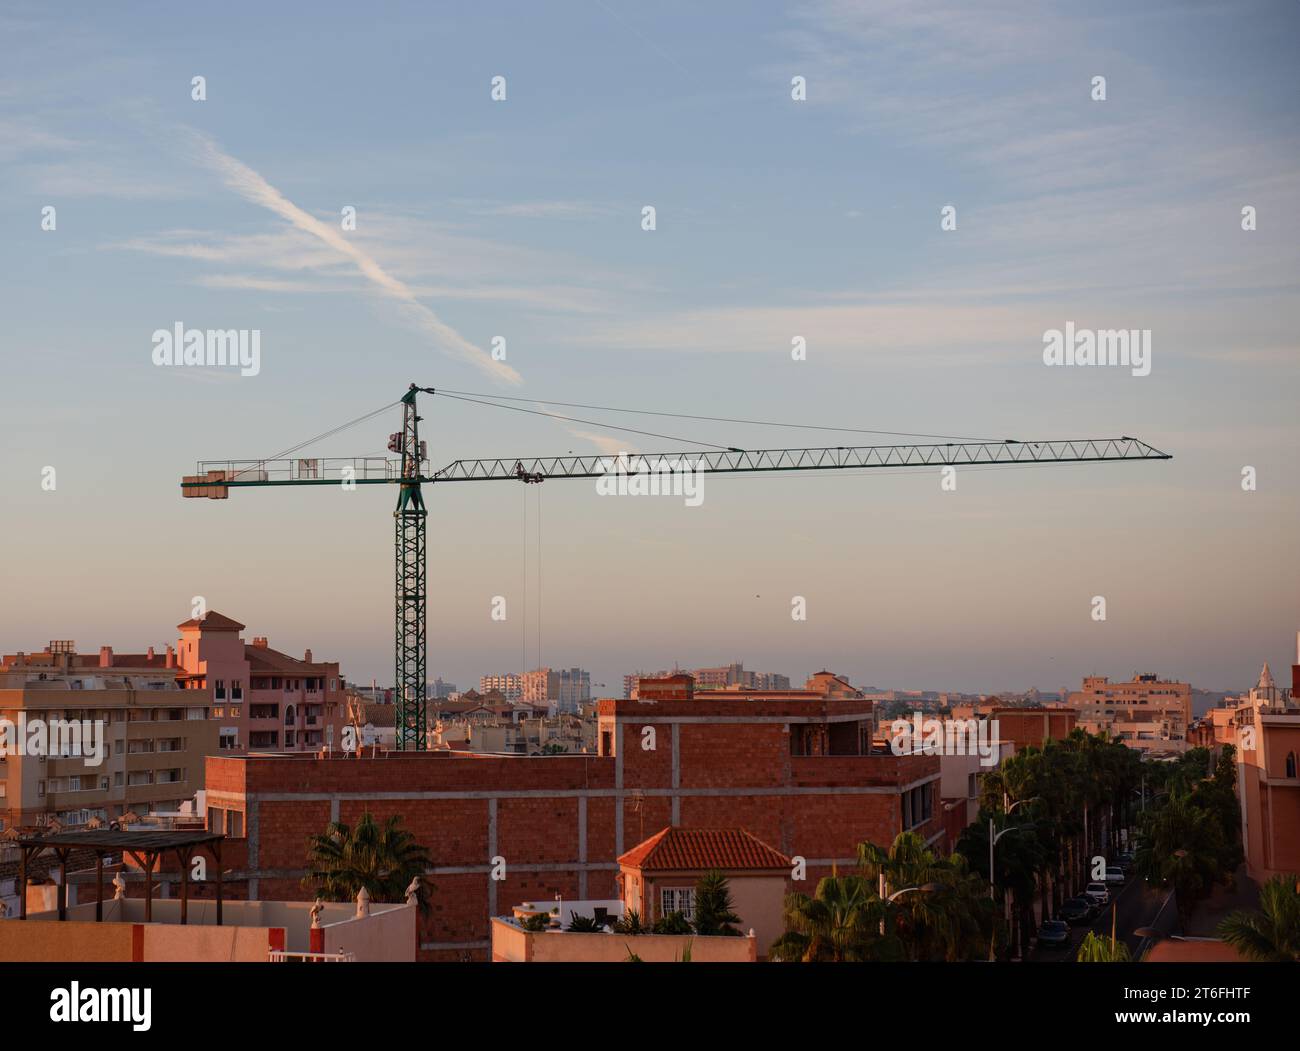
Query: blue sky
pixel 775 218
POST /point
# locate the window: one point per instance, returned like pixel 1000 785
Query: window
pixel 236 691
pixel 1290 764
pixel 918 806
pixel 677 899
pixel 221 690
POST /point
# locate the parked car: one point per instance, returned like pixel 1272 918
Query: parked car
pixel 1054 934
pixel 1125 860
pixel 1077 911
pixel 1114 874
pixel 1098 892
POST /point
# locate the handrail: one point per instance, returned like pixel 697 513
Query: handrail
pixel 286 956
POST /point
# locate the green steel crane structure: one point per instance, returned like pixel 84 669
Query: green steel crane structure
pixel 409 471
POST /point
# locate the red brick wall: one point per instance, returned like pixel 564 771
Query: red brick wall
pixel 731 774
pixel 1031 726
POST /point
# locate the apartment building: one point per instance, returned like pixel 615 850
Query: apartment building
pixel 509 685
pixel 1147 713
pixel 562 689
pixel 262 699
pixel 796 769
pixel 1264 728
pixel 736 675
pixel 1033 727
pixel 155 736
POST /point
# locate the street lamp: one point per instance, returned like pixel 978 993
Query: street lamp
pixel 925 888
pixel 993 842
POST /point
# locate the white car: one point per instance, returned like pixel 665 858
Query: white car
pixel 1114 874
pixel 1098 893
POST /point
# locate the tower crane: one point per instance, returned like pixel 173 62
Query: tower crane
pixel 409 470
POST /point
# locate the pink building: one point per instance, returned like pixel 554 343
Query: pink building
pixel 262 699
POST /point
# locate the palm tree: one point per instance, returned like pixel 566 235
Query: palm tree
pixel 1272 934
pixel 940 917
pixel 840 923
pixel 713 910
pixel 383 859
pixel 583 924
pixel 1095 949
pixel 1182 844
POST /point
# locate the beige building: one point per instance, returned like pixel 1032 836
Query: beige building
pixel 154 737
pixel 659 877
pixel 1147 713
pixel 509 685
pixel 521 736
pixel 1264 727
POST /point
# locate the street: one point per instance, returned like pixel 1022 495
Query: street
pixel 1137 905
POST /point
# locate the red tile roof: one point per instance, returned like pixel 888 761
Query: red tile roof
pixel 265 659
pixel 212 621
pixel 699 849
pixel 1197 950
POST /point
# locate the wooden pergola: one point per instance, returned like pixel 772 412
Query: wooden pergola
pixel 146 847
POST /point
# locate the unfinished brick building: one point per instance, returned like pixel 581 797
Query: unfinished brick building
pixel 794 767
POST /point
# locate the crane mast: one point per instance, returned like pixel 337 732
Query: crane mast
pixel 407 470
pixel 409 587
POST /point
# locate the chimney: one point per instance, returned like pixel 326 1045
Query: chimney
pixel 259 641
pixel 171 657
pixel 149 653
pixel 105 656
pixel 306 658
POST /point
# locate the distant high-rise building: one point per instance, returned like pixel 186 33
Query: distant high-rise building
pixel 720 678
pixel 564 689
pixel 736 675
pixel 439 690
pixel 509 685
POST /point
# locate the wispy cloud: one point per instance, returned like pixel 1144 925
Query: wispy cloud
pixel 254 188
pixel 608 445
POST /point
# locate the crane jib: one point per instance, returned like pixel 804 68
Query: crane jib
pixel 409 469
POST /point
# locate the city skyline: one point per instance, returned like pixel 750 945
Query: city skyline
pixel 610 683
